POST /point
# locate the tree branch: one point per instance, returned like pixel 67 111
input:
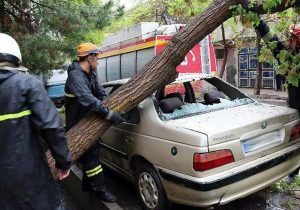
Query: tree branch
pixel 20 20
pixel 18 8
pixel 43 5
pixel 258 8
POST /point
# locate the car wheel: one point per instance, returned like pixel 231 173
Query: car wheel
pixel 149 188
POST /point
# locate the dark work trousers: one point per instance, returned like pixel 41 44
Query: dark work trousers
pixel 279 81
pixel 294 102
pixel 93 178
pixel 294 97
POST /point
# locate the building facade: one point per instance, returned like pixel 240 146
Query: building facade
pixel 242 60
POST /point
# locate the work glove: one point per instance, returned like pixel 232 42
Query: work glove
pixel 116 117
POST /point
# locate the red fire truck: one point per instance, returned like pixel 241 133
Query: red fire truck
pixel 124 53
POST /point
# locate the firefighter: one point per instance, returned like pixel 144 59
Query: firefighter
pixel 293 45
pixel 29 124
pixel 83 95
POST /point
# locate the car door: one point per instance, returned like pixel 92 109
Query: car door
pixel 118 141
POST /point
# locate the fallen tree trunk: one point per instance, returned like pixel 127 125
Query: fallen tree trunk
pixel 159 71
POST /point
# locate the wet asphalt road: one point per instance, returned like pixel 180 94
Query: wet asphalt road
pixel 75 199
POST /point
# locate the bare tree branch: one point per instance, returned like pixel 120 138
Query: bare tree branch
pixel 43 5
pixel 20 20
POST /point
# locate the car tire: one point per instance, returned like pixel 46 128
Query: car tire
pixel 150 190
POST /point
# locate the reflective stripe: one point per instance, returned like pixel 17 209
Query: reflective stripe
pixel 69 95
pixel 95 173
pixel 94 169
pixel 15 116
pixel 268 37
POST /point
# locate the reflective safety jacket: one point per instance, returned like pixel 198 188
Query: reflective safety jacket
pixel 29 123
pixel 83 95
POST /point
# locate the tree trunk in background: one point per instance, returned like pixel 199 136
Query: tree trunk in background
pixel 257 86
pixel 225 53
pixel 159 71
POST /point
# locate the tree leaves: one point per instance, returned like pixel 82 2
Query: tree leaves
pixel 162 11
pixel 49 31
pixel 270 4
pixel 289 61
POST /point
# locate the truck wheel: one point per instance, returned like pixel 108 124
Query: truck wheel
pixel 150 189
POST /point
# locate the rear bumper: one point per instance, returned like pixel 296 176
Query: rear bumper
pixel 232 184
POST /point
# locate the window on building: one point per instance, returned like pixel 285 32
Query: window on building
pixel 267 65
pixel 268 74
pixel 243 62
pixel 248 63
pixel 243 74
pixel 253 61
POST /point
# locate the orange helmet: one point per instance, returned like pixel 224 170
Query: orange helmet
pixel 86 49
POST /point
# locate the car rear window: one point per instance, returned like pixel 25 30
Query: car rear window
pixel 197 97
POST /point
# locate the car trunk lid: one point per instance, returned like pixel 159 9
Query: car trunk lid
pixel 243 122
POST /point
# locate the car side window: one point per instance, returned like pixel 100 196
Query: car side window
pixel 133 114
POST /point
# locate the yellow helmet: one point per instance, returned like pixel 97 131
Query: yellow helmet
pixel 86 49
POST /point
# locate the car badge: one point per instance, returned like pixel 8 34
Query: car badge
pixel 264 124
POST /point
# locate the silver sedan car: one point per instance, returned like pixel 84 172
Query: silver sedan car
pixel 200 141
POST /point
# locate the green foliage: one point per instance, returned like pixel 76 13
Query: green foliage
pixel 270 4
pixel 144 11
pixel 272 45
pixel 237 10
pixel 289 63
pixel 248 18
pixel 180 11
pixel 287 190
pixel 49 31
pixel 186 8
pixel 289 205
pixel 285 186
pixel 266 55
pixel 293 77
pixel 284 21
pixel 62 113
pixel 280 186
pixel 61 110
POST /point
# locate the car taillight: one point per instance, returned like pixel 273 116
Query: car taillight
pixel 207 161
pixel 295 133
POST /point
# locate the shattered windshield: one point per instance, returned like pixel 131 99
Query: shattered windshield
pixel 199 108
pixel 197 97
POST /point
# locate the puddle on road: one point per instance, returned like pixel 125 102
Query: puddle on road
pixel 280 201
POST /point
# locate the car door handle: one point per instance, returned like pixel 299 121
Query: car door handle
pixel 129 139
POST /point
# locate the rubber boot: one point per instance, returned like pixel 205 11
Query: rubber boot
pixel 106 196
